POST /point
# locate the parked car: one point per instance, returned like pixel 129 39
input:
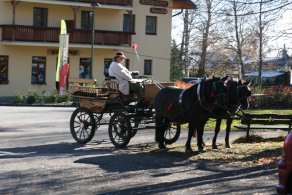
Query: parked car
pixel 285 168
pixel 193 80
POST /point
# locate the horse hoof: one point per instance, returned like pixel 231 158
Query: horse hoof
pixel 228 146
pixel 201 150
pixel 161 146
pixel 215 147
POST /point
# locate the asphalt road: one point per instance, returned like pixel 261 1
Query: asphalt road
pixel 39 156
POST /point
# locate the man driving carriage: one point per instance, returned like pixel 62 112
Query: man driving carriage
pixel 127 85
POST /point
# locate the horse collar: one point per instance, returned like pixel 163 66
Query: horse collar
pixel 180 97
pixel 199 91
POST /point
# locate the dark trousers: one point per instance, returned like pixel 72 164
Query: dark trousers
pixel 137 88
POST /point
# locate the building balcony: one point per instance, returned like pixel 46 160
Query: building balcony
pixel 21 33
pixel 105 2
pixel 123 3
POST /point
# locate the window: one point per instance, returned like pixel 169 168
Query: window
pixel 38 71
pixel 151 23
pixel 128 24
pixel 3 69
pixel 127 63
pixel 40 17
pixel 107 63
pixel 86 20
pixel 147 67
pixel 85 69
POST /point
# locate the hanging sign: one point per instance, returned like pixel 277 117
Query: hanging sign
pixel 154 3
pixel 158 10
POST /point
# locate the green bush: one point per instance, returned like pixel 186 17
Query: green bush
pixel 31 99
pixel 34 98
pixel 18 98
pixel 49 99
pixel 62 98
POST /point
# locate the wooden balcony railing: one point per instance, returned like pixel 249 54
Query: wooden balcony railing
pixel 51 35
pixel 106 2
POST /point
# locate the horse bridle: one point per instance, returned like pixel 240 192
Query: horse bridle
pixel 237 103
pixel 202 101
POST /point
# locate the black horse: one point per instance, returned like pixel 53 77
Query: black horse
pixel 192 106
pixel 237 97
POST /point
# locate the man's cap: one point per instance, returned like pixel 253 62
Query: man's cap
pixel 120 54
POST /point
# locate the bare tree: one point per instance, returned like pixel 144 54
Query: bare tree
pixel 266 13
pixel 241 32
pixel 249 27
pixel 188 27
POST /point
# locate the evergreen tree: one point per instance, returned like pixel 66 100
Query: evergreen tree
pixel 176 63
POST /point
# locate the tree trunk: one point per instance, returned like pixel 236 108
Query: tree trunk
pixel 201 71
pixel 239 61
pixel 259 80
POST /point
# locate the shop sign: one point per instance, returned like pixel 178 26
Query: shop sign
pixel 56 51
pixel 154 3
pixel 158 10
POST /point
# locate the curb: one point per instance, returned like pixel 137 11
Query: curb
pixel 37 105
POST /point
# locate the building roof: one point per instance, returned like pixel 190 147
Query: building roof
pixel 265 74
pixel 184 4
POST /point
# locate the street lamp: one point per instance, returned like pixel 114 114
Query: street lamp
pixel 93 4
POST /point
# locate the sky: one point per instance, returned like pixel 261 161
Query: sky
pixel 286 22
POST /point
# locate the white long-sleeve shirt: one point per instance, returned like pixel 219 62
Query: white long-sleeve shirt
pixel 123 76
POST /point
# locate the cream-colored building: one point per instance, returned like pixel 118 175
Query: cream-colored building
pixel 29 31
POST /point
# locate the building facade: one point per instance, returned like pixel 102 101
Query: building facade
pixel 29 32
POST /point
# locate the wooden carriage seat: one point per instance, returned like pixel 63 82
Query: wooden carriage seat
pixel 112 86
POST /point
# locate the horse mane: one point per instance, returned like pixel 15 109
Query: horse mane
pixel 182 85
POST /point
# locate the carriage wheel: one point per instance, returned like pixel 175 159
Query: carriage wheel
pixel 120 130
pixel 134 127
pixel 171 133
pixel 82 125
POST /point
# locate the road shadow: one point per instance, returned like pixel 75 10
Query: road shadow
pixel 209 182
pixel 159 164
pixel 63 148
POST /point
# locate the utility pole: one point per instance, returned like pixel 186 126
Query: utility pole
pixel 93 4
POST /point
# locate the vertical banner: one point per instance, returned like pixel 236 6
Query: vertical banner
pixel 62 59
pixel 63 77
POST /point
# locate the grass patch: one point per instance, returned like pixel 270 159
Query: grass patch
pixel 269 111
pixel 210 125
pixel 256 151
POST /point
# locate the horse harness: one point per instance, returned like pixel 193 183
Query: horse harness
pixel 200 97
pixel 237 97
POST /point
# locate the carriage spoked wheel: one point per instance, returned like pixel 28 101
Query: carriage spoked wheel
pixel 82 125
pixel 120 131
pixel 134 126
pixel 171 133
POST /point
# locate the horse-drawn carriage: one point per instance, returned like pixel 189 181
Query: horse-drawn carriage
pixel 94 102
pixel 167 108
